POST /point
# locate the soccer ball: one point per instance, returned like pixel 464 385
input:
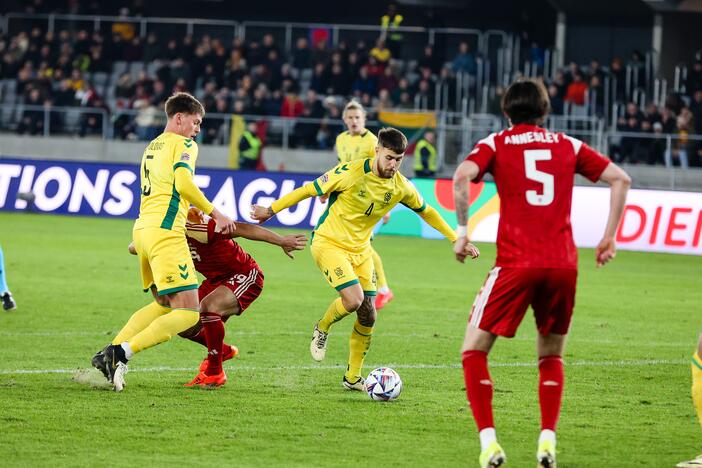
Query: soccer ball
pixel 383 384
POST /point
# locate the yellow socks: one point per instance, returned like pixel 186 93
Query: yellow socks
pixel 697 385
pixel 358 348
pixel 163 328
pixel 379 271
pixel 334 313
pixel 139 320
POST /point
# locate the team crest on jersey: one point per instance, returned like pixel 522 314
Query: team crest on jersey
pixel 339 272
pixel 185 156
pixel 387 198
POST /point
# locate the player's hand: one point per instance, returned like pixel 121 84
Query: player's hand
pixel 225 225
pixel 605 251
pixel 462 248
pixel 324 198
pixel 386 218
pixel 261 214
pixel 132 249
pixel 292 243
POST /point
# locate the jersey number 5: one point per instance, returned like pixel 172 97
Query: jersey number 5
pixel 146 189
pixel 532 173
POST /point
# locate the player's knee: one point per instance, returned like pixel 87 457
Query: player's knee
pixel 352 302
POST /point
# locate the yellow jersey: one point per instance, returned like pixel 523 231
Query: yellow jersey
pixel 352 147
pixel 358 199
pixel 161 204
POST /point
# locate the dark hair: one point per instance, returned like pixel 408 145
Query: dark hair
pixel 526 101
pixel 392 139
pixel 183 103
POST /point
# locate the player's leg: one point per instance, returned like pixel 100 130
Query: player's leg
pixel 385 295
pixel 174 276
pixel 335 265
pixel 553 302
pixel 8 303
pixel 697 379
pixel 143 317
pixel 362 332
pixel 497 311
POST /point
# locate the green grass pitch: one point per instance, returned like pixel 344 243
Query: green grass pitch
pixel 627 400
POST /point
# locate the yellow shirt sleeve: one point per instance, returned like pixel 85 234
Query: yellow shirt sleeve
pixel 340 177
pixel 412 199
pixel 185 155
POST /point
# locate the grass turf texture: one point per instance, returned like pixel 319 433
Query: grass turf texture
pixel 627 400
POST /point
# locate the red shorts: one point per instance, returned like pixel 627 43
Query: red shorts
pixel 503 300
pixel 246 287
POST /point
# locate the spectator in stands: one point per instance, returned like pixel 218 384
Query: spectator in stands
pixel 694 78
pixel 339 82
pixel 464 61
pixel 381 53
pixel 388 80
pixel 696 109
pixel 320 54
pixel 651 114
pixel 390 22
pixel 428 60
pixel 596 69
pixel 678 155
pixel 364 83
pixel 618 75
pixel 657 146
pixel 403 87
pixel 577 90
pixel 249 147
pixel 306 132
pixel 405 101
pixel 302 56
pixel 425 156
pixel 353 65
pixel 123 27
pixel 638 67
pixel 258 101
pixel 153 49
pixel 292 105
pixel 668 120
pixel 596 96
pixel 92 122
pixel 32 120
pixel 214 129
pixel 631 148
pixel 425 94
pixel 320 79
pixel 384 102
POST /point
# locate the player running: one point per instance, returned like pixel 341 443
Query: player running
pixel 536 257
pixel 359 143
pixel 360 194
pixel 167 190
pixel 233 280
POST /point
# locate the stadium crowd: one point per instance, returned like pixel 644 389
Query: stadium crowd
pixel 130 79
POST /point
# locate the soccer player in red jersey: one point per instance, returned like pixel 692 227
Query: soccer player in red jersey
pixel 233 280
pixel 536 263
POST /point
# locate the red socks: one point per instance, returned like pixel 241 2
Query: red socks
pixel 551 381
pixel 478 387
pixel 213 329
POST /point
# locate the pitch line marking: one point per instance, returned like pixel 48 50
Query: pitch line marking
pixel 619 363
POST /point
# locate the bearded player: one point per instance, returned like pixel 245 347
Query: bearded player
pixel 536 257
pixel 357 142
pixel 361 193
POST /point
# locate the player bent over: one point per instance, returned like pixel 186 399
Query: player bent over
pixel 536 261
pixel 233 280
pixel 167 190
pixel 361 193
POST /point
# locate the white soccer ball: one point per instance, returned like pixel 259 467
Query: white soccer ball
pixel 383 384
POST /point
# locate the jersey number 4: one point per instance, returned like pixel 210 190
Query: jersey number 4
pixel 370 209
pixel 532 173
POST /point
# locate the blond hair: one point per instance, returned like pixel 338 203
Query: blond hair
pixel 353 105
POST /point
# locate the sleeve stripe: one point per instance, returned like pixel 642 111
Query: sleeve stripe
pixel 577 144
pixel 366 166
pixel 417 210
pixel 319 190
pixel 182 164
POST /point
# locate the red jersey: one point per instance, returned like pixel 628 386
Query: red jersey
pixel 216 256
pixel 534 171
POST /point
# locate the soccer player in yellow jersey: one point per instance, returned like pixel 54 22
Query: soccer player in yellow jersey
pixel 696 398
pixel 360 194
pixel 167 190
pixel 359 143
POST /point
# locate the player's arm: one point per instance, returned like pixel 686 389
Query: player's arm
pixel 288 243
pixel 333 180
pixel 185 185
pixel 596 167
pixel 472 168
pixel 619 183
